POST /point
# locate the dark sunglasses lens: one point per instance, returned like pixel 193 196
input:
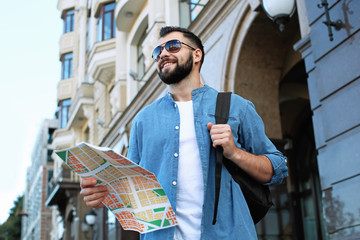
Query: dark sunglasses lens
pixel 173 46
pixel 156 53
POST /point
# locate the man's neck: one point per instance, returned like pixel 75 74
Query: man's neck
pixel 182 91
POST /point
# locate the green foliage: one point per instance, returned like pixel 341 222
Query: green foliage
pixel 11 229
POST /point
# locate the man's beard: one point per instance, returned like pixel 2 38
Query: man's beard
pixel 178 74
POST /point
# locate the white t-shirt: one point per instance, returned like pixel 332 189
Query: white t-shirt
pixel 190 186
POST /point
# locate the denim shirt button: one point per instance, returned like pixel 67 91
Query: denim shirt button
pixel 174 183
pixel 176 155
pixel 175 105
pixel 177 127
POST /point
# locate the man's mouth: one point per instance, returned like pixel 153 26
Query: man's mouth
pixel 165 64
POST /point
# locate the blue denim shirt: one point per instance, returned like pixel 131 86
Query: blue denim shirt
pixel 154 145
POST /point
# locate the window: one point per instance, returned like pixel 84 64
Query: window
pixel 106 22
pixel 69 21
pixel 66 65
pixel 49 185
pixel 64 108
pixel 189 10
pixel 50 135
pixel 141 57
pixel 49 158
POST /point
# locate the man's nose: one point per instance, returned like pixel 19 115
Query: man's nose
pixel 164 53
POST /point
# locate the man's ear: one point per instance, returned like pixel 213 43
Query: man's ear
pixel 197 55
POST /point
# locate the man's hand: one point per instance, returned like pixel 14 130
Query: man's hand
pixel 257 166
pixel 93 195
pixel 221 135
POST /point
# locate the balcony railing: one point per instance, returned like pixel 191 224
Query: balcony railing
pixel 63 181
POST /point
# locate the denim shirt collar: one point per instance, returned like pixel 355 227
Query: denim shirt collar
pixel 194 92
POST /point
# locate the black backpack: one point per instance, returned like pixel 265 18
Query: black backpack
pixel 257 195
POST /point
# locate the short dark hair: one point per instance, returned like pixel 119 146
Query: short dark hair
pixel 188 34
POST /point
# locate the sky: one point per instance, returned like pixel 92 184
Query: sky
pixel 29 73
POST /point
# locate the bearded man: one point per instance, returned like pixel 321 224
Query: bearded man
pixel 174 138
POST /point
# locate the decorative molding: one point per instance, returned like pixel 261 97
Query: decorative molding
pixel 303 45
pixel 89 114
pixel 116 97
pixel 105 72
pixel 102 46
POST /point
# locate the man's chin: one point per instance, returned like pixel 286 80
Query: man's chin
pixel 169 79
pixel 164 74
pixel 167 71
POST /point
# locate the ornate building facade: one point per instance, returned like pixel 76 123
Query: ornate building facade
pixel 305 96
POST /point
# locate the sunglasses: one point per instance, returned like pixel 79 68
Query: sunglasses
pixel 172 46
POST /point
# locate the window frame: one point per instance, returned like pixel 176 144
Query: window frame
pixel 67 65
pixel 64 112
pixel 190 10
pixel 104 24
pixel 69 20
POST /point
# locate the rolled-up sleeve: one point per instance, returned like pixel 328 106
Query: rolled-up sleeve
pixel 278 162
pixel 253 139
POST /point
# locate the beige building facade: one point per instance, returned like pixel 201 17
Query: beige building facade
pixel 36 216
pixel 108 76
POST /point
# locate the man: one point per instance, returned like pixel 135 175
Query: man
pixel 172 137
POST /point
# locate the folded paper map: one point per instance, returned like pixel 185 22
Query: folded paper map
pixel 135 196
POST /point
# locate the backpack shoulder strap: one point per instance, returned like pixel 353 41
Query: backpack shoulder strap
pixel 222 107
pixel 221 117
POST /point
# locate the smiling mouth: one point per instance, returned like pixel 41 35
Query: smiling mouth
pixel 167 63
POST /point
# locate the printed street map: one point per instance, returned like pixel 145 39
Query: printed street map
pixel 136 197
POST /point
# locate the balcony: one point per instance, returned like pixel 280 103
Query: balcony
pixel 65 184
pixel 102 60
pixel 126 12
pixel 63 138
pixel 84 96
pixel 67 42
pixel 65 89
